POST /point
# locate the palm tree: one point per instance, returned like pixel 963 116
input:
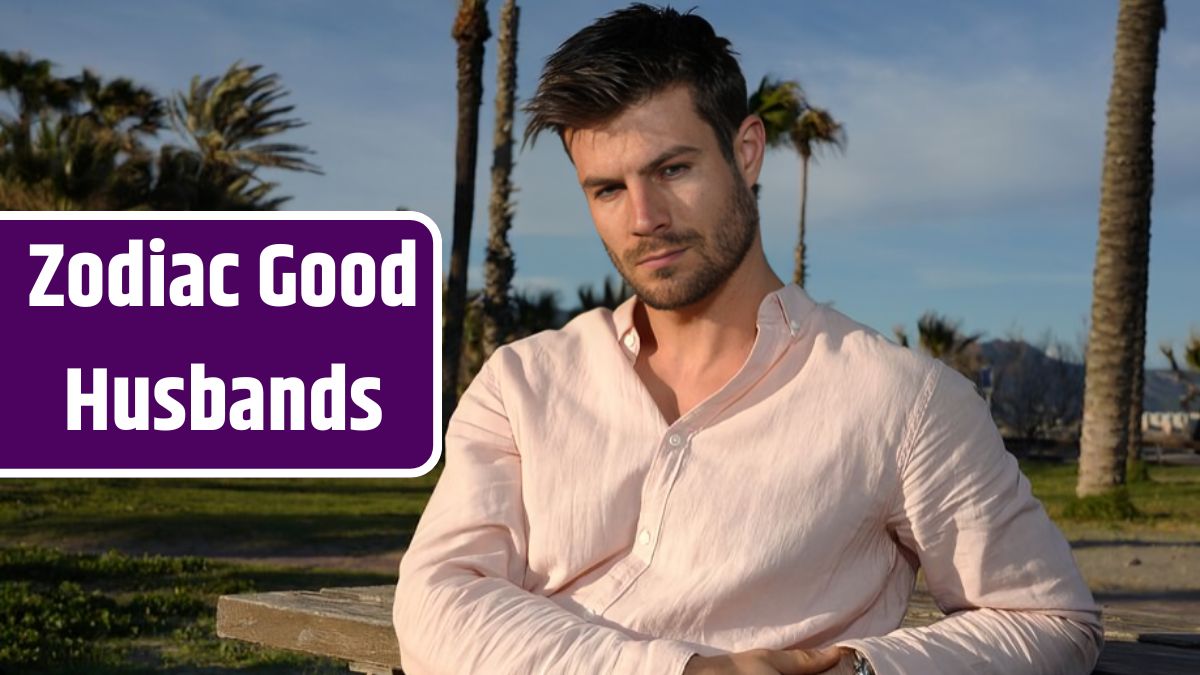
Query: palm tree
pixel 498 265
pixel 37 97
pixel 470 32
pixel 229 123
pixel 1191 358
pixel 944 340
pixel 1191 353
pixel 1135 469
pixel 1121 249
pixel 73 143
pixel 790 121
pixel 85 143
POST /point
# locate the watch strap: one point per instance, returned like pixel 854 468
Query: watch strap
pixel 861 665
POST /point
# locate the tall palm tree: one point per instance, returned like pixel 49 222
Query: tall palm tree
pixel 1121 249
pixel 498 265
pixel 470 32
pixel 1135 468
pixel 791 121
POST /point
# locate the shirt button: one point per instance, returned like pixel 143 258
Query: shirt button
pixel 644 537
pixel 795 326
pixel 630 340
pixel 675 440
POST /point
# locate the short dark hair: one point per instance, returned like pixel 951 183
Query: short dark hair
pixel 624 58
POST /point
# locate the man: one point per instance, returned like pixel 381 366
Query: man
pixel 721 476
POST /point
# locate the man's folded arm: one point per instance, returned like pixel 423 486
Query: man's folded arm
pixel 460 606
pixel 992 558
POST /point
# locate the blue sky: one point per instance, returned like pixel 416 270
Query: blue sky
pixel 969 186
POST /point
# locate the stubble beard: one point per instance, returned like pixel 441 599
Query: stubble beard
pixel 673 287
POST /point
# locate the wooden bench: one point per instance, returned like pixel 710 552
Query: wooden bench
pixel 355 625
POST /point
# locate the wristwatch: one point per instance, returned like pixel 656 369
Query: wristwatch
pixel 861 665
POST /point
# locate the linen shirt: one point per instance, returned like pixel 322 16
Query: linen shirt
pixel 574 530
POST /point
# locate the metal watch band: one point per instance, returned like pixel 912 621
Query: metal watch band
pixel 861 665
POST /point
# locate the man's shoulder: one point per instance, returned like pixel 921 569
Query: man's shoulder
pixel 584 335
pixel 863 353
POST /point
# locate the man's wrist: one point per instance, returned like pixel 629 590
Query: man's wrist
pixel 859 665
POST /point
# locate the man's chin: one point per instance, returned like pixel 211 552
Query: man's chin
pixel 669 296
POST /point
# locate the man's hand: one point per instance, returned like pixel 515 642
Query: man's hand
pixel 830 660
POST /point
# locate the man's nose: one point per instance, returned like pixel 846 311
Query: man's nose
pixel 650 210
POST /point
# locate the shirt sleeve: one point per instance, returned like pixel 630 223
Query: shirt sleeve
pixel 460 606
pixel 993 560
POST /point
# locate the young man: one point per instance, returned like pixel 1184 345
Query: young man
pixel 720 476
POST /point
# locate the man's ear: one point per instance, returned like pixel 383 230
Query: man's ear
pixel 749 146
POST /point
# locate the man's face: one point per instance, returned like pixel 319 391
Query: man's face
pixel 675 217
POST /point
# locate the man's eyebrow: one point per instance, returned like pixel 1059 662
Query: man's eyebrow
pixel 647 168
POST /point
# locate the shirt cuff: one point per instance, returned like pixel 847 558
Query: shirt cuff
pixel 880 658
pixel 653 657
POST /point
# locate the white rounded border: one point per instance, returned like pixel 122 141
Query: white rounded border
pixel 436 453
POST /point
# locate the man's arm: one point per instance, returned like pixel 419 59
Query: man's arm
pixel 460 606
pixel 991 555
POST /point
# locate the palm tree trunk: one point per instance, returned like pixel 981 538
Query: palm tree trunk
pixel 1125 189
pixel 800 273
pixel 1135 468
pixel 498 266
pixel 470 31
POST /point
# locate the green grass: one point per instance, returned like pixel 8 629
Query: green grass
pixel 224 517
pixel 114 613
pixel 65 608
pixel 1166 505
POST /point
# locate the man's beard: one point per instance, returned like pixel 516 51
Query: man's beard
pixel 719 256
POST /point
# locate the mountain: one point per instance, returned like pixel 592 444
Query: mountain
pixel 1161 392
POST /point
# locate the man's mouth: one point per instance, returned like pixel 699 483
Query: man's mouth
pixel 661 259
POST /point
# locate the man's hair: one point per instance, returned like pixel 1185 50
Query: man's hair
pixel 622 59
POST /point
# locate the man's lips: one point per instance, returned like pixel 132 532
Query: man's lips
pixel 656 260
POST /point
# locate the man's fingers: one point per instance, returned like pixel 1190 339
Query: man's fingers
pixel 804 661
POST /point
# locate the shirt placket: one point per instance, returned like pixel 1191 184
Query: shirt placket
pixel 664 470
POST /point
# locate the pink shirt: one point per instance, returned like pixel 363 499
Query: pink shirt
pixel 575 531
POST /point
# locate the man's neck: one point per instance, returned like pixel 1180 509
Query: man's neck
pixel 725 319
pixel 711 339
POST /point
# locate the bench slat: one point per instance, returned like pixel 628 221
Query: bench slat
pixel 355 624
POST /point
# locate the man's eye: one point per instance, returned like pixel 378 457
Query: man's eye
pixel 606 192
pixel 674 170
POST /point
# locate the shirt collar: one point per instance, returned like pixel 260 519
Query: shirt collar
pixel 786 307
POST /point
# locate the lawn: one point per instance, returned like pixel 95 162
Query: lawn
pixel 1168 503
pixel 122 575
pixel 149 604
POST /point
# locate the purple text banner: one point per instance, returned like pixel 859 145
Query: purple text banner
pixel 221 344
